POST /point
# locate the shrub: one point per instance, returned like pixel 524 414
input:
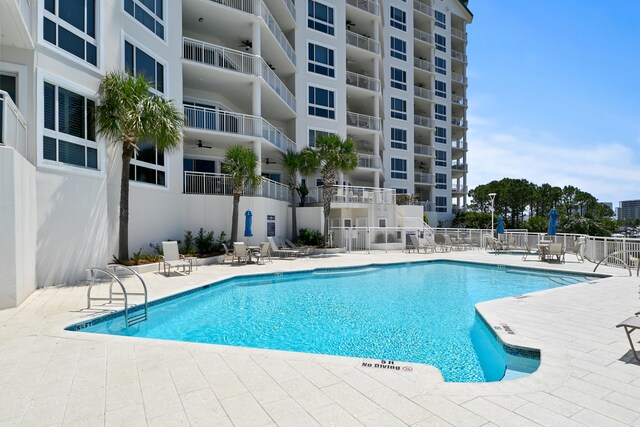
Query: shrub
pixel 204 242
pixel 188 247
pixel 310 237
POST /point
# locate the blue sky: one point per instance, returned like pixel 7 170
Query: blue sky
pixel 554 94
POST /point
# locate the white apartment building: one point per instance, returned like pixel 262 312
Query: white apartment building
pixel 266 74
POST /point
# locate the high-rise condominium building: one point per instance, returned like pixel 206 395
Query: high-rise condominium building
pixel 271 75
pixel 629 209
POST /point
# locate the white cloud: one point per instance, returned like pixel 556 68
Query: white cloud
pixel 605 169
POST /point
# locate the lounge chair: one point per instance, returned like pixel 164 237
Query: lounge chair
pixel 556 250
pixel 227 253
pixel 528 250
pixel 172 258
pixel 415 242
pixel 264 252
pixel 281 252
pixel 241 252
pixel 454 244
pixel 304 251
pixel 491 242
pixel 578 250
pixel 431 241
pixel 630 325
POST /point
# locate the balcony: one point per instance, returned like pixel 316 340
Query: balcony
pixel 425 9
pixel 350 194
pixel 13 127
pixel 423 121
pixel 459 145
pixel 424 150
pixel 366 43
pixel 423 64
pixel 366 5
pixel 424 178
pixel 362 81
pixel 258 8
pixel 363 121
pixel 423 36
pixel 462 168
pixel 423 93
pixel 459 34
pixel 369 161
pixel 459 189
pixel 459 56
pixel 459 122
pixel 459 78
pixel 222 184
pixel 236 61
pixel 238 124
pixel 459 100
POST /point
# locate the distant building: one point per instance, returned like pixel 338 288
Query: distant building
pixel 629 209
pixel 607 204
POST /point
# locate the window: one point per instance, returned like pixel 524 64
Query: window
pixel 71 25
pixel 398 108
pixel 441 204
pixel 320 17
pixel 441 135
pixel 8 83
pixel 319 182
pixel 314 134
pixel 321 60
pixel 441 43
pixel 441 181
pixel 399 138
pixel 398 49
pixel 69 128
pixel 398 168
pixel 147 165
pixel 401 190
pixel 398 78
pixel 398 19
pixel 136 61
pixel 382 222
pixel 441 112
pixel 199 165
pixel 441 66
pixel 321 103
pixel 148 13
pixel 441 20
pixel 441 158
pixel 441 89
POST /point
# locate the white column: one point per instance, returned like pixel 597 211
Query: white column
pixel 256 98
pixel 257 148
pixel 376 151
pixel 255 38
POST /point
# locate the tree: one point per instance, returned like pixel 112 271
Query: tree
pixel 240 164
pixel 331 155
pixel 129 114
pixel 296 164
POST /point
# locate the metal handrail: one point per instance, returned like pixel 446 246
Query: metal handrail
pixel 615 255
pixel 363 42
pixel 95 270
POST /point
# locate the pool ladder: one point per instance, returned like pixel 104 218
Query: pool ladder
pixel 130 319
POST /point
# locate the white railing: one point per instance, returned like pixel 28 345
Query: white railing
pixel 370 161
pixel 423 8
pixel 459 34
pixel 458 55
pixel 235 123
pixel 363 121
pixel 222 184
pixel 459 121
pixel 424 150
pixel 367 43
pixel 460 100
pixel 459 78
pixel 421 92
pixel 292 9
pixel 237 61
pixel 460 145
pixel 13 127
pixel 423 35
pixel 362 81
pixel 459 188
pixel 366 5
pixel 423 121
pixel 350 194
pixel 462 167
pixel 424 178
pixel 597 248
pixel 423 64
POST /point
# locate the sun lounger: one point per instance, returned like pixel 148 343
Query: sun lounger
pixel 528 250
pixel 415 243
pixel 630 325
pixel 304 251
pixel 171 258
pixel 281 252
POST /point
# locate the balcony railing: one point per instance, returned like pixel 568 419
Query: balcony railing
pixel 350 194
pixel 239 62
pixel 366 5
pixel 423 64
pixel 424 150
pixel 459 78
pixel 459 145
pixel 460 168
pixel 423 121
pixel 222 184
pixel 459 121
pixel 459 188
pixel 423 8
pixel 424 178
pixel 362 81
pixel 292 9
pixel 459 34
pixel 460 100
pixel 423 35
pixel 366 43
pixel 13 127
pixel 363 121
pixel 258 8
pixel 369 161
pixel 235 123
pixel 458 55
pixel 421 92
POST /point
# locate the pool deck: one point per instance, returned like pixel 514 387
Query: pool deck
pixel 52 377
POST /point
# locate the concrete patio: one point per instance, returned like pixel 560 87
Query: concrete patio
pixel 52 377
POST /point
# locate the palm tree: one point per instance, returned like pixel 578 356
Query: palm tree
pixel 128 114
pixel 332 155
pixel 296 164
pixel 240 164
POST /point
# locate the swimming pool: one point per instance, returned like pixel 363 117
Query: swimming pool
pixel 419 312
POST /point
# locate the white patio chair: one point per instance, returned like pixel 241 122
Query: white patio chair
pixel 172 258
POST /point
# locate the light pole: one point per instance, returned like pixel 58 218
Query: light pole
pixel 492 197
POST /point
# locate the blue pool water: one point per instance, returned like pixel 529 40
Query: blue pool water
pixel 418 312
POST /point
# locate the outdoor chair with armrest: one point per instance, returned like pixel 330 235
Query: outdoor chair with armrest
pixel 264 252
pixel 241 252
pixel 556 250
pixel 171 258
pixel 630 325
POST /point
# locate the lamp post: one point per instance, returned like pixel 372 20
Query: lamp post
pixel 492 197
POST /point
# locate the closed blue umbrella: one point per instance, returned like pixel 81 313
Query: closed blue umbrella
pixel 553 222
pixel 248 220
pixel 500 228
